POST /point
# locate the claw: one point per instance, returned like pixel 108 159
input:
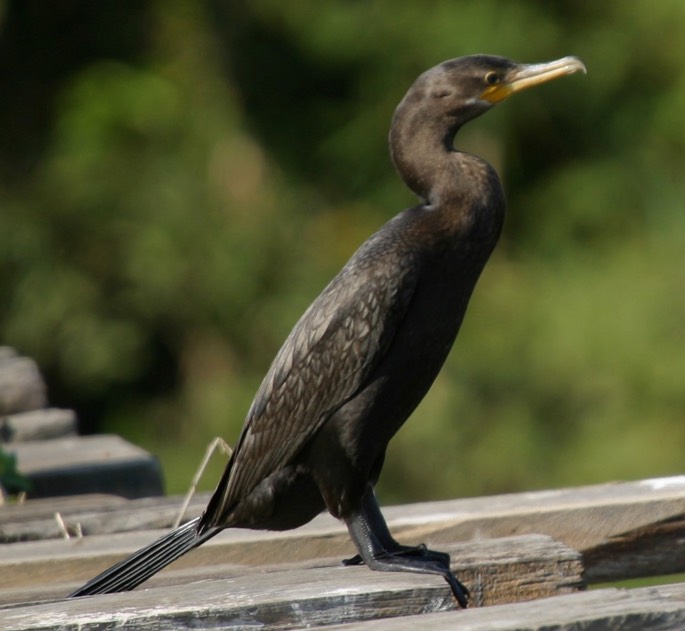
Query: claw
pixel 459 591
pixel 355 560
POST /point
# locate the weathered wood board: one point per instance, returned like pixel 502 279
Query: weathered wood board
pixel 643 609
pixel 39 509
pixel 93 514
pixel 88 464
pixel 37 425
pixel 497 571
pixel 623 530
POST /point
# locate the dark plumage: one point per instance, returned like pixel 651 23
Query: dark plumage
pixel 367 350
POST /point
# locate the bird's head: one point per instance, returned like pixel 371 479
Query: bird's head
pixel 450 94
pixel 465 87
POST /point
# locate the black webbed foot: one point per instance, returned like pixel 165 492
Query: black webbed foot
pixel 420 551
pixel 421 565
pixel 379 551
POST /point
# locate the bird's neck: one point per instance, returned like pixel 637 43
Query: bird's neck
pixel 462 189
pixel 425 157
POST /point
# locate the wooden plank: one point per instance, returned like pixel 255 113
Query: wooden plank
pixel 643 609
pixel 37 425
pixel 37 509
pixel 657 547
pixel 88 464
pixel 25 564
pixel 78 559
pixel 623 529
pixel 583 517
pixel 113 521
pixel 92 514
pixel 21 386
pixel 497 571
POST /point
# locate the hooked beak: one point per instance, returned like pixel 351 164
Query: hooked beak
pixel 529 75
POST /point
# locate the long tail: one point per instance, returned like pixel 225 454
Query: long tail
pixel 141 565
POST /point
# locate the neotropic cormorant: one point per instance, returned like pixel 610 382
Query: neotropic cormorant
pixel 367 350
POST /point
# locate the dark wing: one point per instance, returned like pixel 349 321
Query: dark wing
pixel 324 361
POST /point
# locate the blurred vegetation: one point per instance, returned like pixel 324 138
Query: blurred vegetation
pixel 180 179
pixel 11 480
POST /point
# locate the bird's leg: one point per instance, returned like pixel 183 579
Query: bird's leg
pixel 379 550
pixel 370 513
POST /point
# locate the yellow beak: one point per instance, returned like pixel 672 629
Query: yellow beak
pixel 527 76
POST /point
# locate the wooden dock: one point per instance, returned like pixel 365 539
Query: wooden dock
pixel 535 550
pixel 527 558
pixel 50 453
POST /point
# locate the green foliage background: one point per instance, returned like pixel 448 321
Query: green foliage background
pixel 179 179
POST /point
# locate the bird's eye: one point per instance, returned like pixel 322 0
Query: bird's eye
pixel 491 77
pixel 441 93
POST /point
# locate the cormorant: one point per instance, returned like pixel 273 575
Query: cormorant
pixel 367 350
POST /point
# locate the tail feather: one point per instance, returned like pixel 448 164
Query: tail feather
pixel 141 565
